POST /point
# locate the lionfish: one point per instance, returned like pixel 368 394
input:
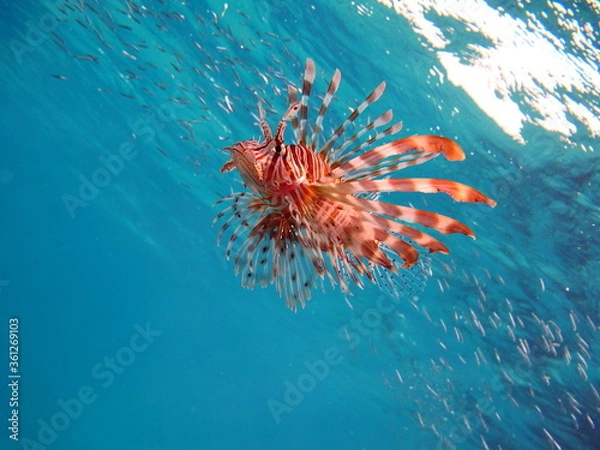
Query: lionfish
pixel 312 211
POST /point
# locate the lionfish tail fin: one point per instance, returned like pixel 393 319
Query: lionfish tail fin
pixel 400 151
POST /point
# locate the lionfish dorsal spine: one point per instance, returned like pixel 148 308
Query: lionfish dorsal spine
pixel 350 154
pixel 293 98
pixel 363 169
pixel 336 153
pixel 334 84
pixel 289 114
pixel 457 191
pixel 395 152
pixel 263 123
pixel 371 98
pixel 307 82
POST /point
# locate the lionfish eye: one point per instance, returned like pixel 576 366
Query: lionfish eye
pixel 278 149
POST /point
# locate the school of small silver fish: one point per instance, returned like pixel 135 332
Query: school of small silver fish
pixel 528 362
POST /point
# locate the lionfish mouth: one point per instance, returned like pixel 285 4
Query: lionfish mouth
pixel 328 222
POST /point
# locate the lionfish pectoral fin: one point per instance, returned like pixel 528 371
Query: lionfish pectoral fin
pixel 369 249
pixel 369 240
pixel 434 144
pixel 457 191
pixel 443 224
pixel 389 156
pixel 417 236
pixel 428 144
pixel 228 166
pixel 407 252
pixel 402 248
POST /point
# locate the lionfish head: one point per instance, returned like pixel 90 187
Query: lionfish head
pixel 244 159
pixel 251 157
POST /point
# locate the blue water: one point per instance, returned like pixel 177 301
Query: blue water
pixel 134 332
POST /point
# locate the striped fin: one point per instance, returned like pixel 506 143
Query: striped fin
pixel 443 224
pixel 293 98
pixel 384 119
pixel 341 159
pixel 334 84
pixel 241 206
pixel 428 144
pixel 423 239
pixel 263 123
pixel 275 256
pixel 266 250
pixel 372 98
pixel 389 166
pixel 361 240
pixel 368 240
pixel 458 191
pixel 288 115
pixel 403 249
pixel 309 77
